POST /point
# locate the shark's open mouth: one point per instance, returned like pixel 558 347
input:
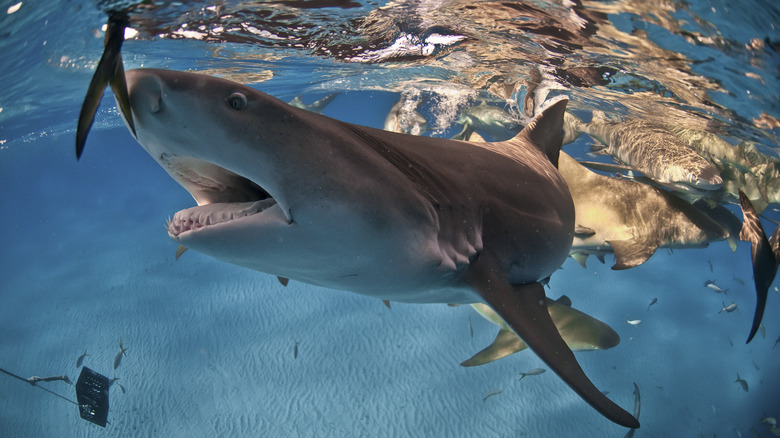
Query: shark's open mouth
pixel 222 195
pixel 213 214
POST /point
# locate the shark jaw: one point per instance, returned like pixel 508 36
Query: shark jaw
pixel 222 197
pixel 225 192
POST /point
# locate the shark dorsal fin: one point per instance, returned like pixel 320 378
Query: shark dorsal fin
pixel 546 130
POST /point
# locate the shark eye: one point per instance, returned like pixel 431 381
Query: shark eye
pixel 237 101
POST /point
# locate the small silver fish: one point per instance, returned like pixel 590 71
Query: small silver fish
pixel 80 360
pixel 711 284
pixel 634 321
pixel 295 350
pixel 653 301
pixel 118 357
pixel 742 382
pixel 491 394
pixel 533 372
pixel 730 308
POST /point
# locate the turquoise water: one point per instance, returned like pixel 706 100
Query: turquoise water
pixel 85 260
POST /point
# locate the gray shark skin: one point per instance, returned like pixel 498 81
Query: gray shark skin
pixel 416 219
pixel 631 219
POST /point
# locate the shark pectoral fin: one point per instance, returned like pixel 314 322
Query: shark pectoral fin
pixel 505 344
pixel 631 253
pixel 524 308
pixel 764 259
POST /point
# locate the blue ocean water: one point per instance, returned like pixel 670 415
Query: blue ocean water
pixel 217 350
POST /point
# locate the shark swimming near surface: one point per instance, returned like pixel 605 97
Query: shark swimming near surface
pixel 631 219
pixel 652 150
pixel 398 217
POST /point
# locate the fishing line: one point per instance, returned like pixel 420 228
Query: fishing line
pixel 38 386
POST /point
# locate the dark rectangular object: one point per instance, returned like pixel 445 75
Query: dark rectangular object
pixel 92 395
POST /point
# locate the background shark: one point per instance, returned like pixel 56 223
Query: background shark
pixel 631 219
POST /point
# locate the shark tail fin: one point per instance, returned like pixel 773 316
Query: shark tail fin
pixel 546 130
pixel 763 256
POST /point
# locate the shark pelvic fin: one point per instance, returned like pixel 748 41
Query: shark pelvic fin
pixel 524 308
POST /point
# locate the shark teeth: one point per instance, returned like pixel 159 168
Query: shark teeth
pixel 212 214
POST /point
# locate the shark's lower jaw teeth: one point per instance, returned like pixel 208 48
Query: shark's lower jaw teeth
pixel 212 214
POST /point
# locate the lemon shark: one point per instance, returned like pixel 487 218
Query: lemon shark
pixel 414 219
pixel 580 331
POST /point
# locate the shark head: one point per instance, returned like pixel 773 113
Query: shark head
pixel 274 191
